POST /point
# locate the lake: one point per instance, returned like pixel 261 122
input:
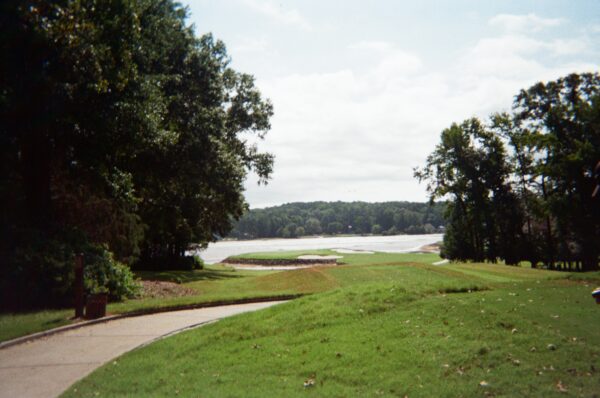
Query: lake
pixel 393 244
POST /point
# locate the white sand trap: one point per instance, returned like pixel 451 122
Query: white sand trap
pixel 317 257
pixel 350 251
pixel 441 262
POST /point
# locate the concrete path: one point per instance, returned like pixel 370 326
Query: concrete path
pixel 46 367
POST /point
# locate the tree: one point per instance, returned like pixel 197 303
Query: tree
pixel 470 166
pixel 205 168
pixel 376 229
pixel 119 125
pixel 313 226
pixel 354 217
pixel 335 227
pixel 563 117
pixel 537 202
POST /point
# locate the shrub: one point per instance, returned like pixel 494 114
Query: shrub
pixel 38 269
pixel 104 274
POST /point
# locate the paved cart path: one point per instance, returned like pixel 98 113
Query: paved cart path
pixel 46 367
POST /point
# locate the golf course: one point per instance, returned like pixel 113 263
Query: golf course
pixel 379 324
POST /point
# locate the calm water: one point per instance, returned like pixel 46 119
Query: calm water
pixel 397 244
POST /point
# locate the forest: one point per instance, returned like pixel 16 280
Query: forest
pixel 524 186
pixel 332 218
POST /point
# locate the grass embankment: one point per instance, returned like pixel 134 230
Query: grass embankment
pixel 17 325
pixel 283 255
pixel 217 283
pixel 385 330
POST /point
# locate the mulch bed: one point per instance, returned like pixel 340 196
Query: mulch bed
pixel 160 289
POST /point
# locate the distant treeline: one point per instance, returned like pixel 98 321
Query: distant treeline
pixel 315 218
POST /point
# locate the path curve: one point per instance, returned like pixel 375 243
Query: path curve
pixel 46 367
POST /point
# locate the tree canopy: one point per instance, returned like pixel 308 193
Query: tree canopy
pixel 120 126
pixel 521 187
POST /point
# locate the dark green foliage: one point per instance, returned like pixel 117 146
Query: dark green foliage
pixel 361 218
pixel 184 263
pixel 40 271
pixel 105 275
pixel 561 119
pixel 470 166
pixel 533 201
pixel 118 122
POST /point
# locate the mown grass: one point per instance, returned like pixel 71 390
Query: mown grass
pixel 347 258
pixel 222 283
pixel 412 330
pixel 284 255
pixel 17 325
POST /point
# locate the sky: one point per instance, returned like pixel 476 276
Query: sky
pixel 362 89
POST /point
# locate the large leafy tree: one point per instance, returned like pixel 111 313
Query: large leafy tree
pixel 536 201
pixel 562 119
pixel 469 166
pixel 120 126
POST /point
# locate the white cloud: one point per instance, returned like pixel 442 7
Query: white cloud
pixel 524 23
pixel 250 45
pixel 371 45
pixel 357 134
pixel 570 46
pixel 277 13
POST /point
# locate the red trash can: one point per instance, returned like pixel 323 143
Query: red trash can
pixel 95 306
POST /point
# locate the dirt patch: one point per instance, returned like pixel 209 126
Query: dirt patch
pixel 432 248
pixel 160 289
pixel 318 257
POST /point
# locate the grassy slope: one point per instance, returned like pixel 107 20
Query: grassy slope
pixel 16 325
pixel 389 330
pixel 215 283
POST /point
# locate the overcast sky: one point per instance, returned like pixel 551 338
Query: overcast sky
pixel 362 89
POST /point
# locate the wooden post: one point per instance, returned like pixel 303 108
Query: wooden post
pixel 79 286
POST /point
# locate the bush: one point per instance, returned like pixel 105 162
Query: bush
pixel 103 274
pixel 38 270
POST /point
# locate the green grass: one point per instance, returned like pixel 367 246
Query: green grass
pixel 284 255
pixel 347 258
pixel 17 325
pixel 219 283
pixel 385 330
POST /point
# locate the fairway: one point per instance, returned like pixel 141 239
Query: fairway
pixel 383 327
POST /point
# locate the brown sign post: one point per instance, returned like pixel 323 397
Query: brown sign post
pixel 79 286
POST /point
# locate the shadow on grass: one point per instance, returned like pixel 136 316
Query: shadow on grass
pixel 187 276
pixel 54 322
